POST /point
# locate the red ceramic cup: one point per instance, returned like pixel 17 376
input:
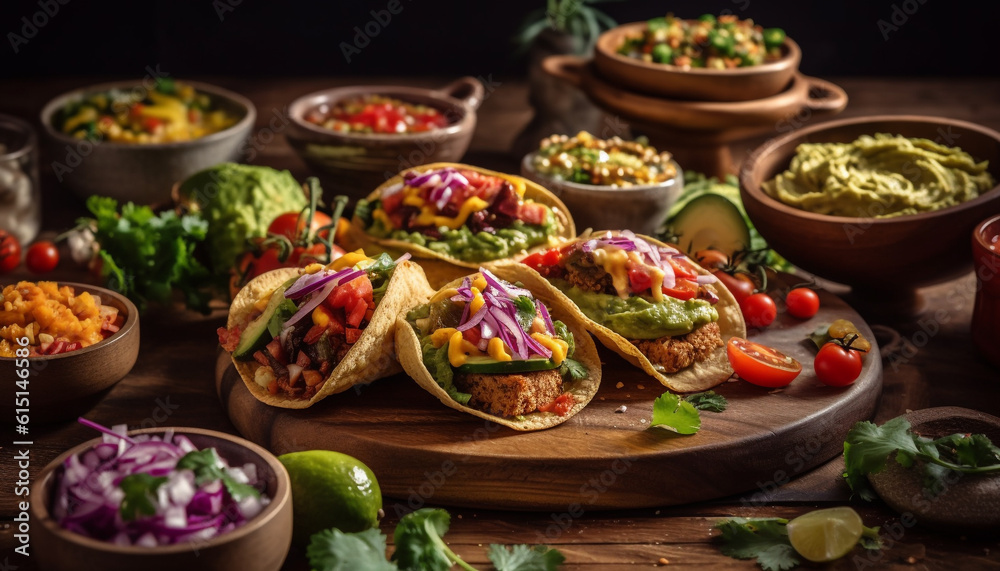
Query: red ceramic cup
pixel 986 313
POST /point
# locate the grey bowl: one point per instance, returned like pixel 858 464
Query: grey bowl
pixel 640 208
pixel 143 173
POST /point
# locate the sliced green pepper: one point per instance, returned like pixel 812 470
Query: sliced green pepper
pixel 773 37
pixel 662 53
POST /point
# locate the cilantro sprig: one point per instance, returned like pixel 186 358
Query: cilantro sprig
pixel 867 449
pixel 680 415
pixel 208 467
pixel 419 546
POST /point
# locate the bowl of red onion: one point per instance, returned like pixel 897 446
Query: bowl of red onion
pixel 162 499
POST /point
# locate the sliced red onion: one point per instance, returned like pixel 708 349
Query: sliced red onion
pixel 309 283
pixel 703 279
pixel 546 318
pixel 311 304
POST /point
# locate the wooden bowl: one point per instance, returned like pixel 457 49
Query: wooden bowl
pixel 965 504
pixel 640 208
pixel 355 164
pixel 64 386
pixel 260 544
pixel 882 255
pixel 143 173
pixel 697 84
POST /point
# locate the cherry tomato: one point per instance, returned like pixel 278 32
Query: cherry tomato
pixel 760 364
pixel 711 259
pixel 42 257
pixel 10 252
pixel 759 310
pixel 292 224
pixel 836 365
pixel 740 285
pixel 802 302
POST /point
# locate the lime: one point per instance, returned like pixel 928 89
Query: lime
pixel 825 535
pixel 330 489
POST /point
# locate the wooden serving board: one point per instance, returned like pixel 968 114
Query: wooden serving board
pixel 425 453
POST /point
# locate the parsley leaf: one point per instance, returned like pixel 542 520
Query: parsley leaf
pixel 525 558
pixel 708 400
pixel 525 311
pixel 208 467
pixel 140 495
pixel 867 448
pixel 672 413
pixel 146 256
pixel 334 550
pixel 573 369
pixel 765 540
pixel 419 544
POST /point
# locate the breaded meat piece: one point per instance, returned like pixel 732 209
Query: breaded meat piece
pixel 583 272
pixel 676 353
pixel 510 395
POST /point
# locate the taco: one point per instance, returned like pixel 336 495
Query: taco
pixel 459 216
pixel 492 349
pixel 646 301
pixel 299 335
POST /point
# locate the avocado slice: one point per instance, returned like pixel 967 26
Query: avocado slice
pixel 488 365
pixel 710 221
pixel 268 324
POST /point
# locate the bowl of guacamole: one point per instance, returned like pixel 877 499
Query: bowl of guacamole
pixel 881 203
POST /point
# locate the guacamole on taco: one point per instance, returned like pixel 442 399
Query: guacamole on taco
pixel 646 301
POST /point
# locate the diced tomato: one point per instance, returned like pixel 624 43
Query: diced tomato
pixel 682 290
pixel 561 405
pixel 229 338
pixel 472 335
pixel 276 350
pixel 272 387
pixel 532 212
pixel 351 335
pixel 311 377
pixel 346 294
pixel 534 261
pixel 357 313
pixel 260 358
pixel 391 202
pixel 303 360
pixel 336 325
pixel 314 333
pixel 683 268
pixel 73 346
pixel 540 260
pixel 369 314
pixel 639 280
pixel 151 123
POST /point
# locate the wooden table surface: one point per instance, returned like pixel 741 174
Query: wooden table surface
pixel 928 361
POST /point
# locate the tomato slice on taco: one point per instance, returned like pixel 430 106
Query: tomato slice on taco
pixel 491 348
pixel 648 302
pixel 299 335
pixel 460 216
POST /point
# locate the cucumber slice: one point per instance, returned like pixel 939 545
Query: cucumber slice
pixel 259 333
pixel 488 365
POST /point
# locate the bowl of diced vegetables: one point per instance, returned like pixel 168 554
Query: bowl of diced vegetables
pixel 712 58
pixel 132 140
pixel 64 345
pixel 607 183
pixel 357 137
pixel 162 499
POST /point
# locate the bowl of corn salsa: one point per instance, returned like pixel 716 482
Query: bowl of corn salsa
pixel 131 140
pixel 357 137
pixel 607 184
pixel 61 346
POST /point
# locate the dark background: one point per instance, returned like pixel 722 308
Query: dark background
pixel 270 38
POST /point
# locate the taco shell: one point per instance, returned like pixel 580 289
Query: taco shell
pixel 371 357
pixel 441 268
pixel 700 376
pixel 583 390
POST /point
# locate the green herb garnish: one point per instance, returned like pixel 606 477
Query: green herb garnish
pixel 140 495
pixel 208 467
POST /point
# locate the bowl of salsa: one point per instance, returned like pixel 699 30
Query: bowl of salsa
pixel 356 137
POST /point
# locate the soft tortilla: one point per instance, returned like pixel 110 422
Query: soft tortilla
pixel 441 268
pixel 371 357
pixel 583 391
pixel 700 376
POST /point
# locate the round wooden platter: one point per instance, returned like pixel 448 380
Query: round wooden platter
pixel 605 457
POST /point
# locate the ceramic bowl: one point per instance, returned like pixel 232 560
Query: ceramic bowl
pixel 355 164
pixel 143 173
pixel 63 386
pixel 640 208
pixel 888 255
pixel 260 544
pixel 698 84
